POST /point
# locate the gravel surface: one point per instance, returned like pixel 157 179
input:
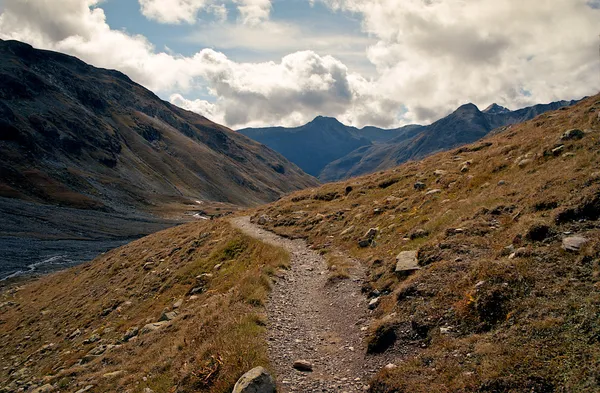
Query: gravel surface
pixel 315 320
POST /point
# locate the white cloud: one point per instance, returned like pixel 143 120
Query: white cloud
pixel 253 12
pixel 430 57
pixel 434 55
pixel 172 11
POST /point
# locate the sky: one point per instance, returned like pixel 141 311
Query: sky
pixel 387 63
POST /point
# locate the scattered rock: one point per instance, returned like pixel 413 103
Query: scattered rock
pixel 371 233
pixel 257 380
pixel 263 220
pixel 557 151
pixel 524 162
pixel 418 234
pixel 92 339
pixel 114 374
pixel 303 365
pixel 364 243
pixel 434 191
pixel 131 333
pixel 349 190
pixel 406 262
pixel 85 389
pixel 390 366
pixel 168 316
pixel 178 304
pixel 148 265
pixel 47 388
pixel 572 135
pixel 374 303
pixel 151 327
pixel 75 334
pixel 440 172
pixel 502 182
pixel 147 390
pixel 464 169
pixel 573 243
pixel 420 186
pixel 446 330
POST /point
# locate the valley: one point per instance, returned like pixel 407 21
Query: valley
pixel 146 249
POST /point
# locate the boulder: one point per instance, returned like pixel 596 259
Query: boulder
pixel 167 316
pixel 303 365
pixel 573 243
pixel 420 186
pixel 374 303
pixel 178 303
pixel 151 327
pixel 434 191
pixel 257 380
pixel 131 333
pixel 572 135
pixel 406 262
pixel 371 233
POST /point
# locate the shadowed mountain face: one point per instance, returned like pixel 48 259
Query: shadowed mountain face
pixel 332 151
pixel 313 145
pixel 78 136
pixel 467 124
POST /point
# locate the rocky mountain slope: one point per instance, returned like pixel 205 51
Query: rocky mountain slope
pixel 482 270
pixel 483 263
pixel 78 136
pixel 467 124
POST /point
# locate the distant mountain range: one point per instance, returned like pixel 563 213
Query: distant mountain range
pixel 79 136
pixel 330 150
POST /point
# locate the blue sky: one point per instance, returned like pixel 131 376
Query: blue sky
pixel 366 62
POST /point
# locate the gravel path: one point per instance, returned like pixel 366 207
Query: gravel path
pixel 312 319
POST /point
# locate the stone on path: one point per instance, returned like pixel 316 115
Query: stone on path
pixel 303 365
pixel 257 380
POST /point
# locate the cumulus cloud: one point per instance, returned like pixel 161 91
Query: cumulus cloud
pixel 430 56
pixel 172 11
pixel 253 12
pixel 434 55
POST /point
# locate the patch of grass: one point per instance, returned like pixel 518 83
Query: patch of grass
pixel 217 335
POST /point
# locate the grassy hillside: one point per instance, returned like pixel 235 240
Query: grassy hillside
pixel 92 325
pixel 498 304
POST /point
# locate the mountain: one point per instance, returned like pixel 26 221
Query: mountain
pixel 423 278
pixel 311 146
pixel 79 136
pixel 495 109
pixel 465 125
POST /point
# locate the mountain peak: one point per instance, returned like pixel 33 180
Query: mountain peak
pixel 495 109
pixel 325 120
pixel 470 107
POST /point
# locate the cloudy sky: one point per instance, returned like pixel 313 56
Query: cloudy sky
pixel 366 62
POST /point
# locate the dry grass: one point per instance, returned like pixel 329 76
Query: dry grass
pixel 214 339
pixel 473 319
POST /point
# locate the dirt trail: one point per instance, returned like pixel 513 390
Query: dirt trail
pixel 317 321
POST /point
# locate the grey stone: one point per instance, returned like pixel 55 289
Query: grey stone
pixel 572 134
pixel 257 380
pixel 573 243
pixel 440 172
pixel 558 150
pixel 92 339
pixel 178 303
pixel 407 262
pixel 151 327
pixel 371 233
pixel 303 365
pixel 434 191
pixel 420 186
pixel 167 316
pixel 374 303
pixel 131 333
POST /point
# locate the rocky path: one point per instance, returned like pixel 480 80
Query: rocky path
pixel 312 319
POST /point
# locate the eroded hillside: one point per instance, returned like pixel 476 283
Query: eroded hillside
pixel 503 293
